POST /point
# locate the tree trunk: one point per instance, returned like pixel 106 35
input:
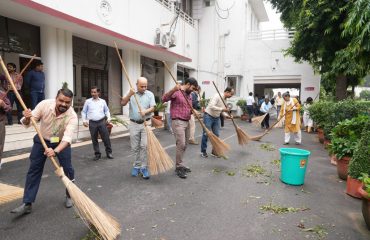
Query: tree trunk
pixel 341 87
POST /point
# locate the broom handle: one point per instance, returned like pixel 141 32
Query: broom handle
pixel 128 78
pixel 187 101
pixel 56 165
pixel 232 119
pixel 24 69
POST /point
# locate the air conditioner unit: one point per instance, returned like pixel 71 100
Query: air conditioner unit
pixel 231 103
pixel 161 39
pixel 171 40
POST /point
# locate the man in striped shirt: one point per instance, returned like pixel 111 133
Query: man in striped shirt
pixel 180 115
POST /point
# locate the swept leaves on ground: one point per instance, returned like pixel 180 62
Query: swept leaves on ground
pixel 268 147
pixel 216 170
pixel 280 209
pixel 91 235
pixel 276 162
pixel 253 170
pixel 230 173
pixel 319 230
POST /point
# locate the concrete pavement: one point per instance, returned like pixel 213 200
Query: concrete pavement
pixel 219 200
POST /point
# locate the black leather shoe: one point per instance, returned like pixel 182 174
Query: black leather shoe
pixel 186 169
pixel 110 156
pixel 180 171
pixel 97 157
pixel 23 209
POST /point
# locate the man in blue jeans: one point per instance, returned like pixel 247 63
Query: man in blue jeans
pixel 58 121
pixel 211 118
pixel 35 80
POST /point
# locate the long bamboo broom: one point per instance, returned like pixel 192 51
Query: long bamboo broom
pixel 158 159
pixel 219 146
pixel 243 137
pixel 92 215
pixel 259 119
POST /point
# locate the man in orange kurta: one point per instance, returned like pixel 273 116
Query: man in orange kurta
pixel 291 108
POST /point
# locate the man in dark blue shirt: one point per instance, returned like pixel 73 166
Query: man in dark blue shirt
pixel 35 80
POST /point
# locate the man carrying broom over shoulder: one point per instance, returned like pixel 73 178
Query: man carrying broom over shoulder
pixel 291 108
pixel 138 136
pixel 211 118
pixel 180 115
pixel 58 121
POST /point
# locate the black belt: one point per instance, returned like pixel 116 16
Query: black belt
pixel 180 119
pixel 139 121
pixel 98 120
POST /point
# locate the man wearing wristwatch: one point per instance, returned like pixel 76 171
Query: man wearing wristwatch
pixel 58 121
pixel 136 127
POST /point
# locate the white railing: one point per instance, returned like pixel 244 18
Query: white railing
pixel 183 15
pixel 277 34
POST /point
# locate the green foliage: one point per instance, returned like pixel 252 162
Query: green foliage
pixel 64 85
pixel 365 94
pixel 365 179
pixel 319 112
pixel 243 105
pixel 159 107
pixel 345 136
pixel 360 162
pixel 204 102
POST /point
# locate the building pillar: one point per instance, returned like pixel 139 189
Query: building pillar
pixel 131 58
pixel 168 81
pixel 57 56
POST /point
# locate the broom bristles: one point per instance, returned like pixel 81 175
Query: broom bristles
pixel 158 159
pixel 243 137
pixel 219 146
pixel 92 215
pixel 258 120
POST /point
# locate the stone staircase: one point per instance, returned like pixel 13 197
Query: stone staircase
pixel 17 137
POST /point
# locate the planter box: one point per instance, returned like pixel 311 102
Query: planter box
pixel 353 186
pixel 321 136
pixel 342 167
pixel 365 207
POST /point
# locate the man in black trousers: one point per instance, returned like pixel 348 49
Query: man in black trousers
pixel 95 115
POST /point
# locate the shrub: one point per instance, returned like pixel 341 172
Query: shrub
pixel 319 112
pixel 365 94
pixel 360 163
pixel 345 136
pixel 243 105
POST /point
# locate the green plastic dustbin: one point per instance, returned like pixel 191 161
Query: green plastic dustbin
pixel 293 165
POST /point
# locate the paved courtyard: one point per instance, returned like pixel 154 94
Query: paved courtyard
pixel 221 199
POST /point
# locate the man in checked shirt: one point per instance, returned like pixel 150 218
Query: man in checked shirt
pixel 180 115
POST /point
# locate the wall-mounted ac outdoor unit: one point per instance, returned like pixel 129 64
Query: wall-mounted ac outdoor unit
pixel 161 39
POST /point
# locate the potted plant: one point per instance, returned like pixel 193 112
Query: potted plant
pixel 344 139
pixel 159 107
pixel 114 121
pixel 319 112
pixel 243 106
pixel 365 194
pixel 360 163
pixel 203 102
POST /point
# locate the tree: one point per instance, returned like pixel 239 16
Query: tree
pixel 319 25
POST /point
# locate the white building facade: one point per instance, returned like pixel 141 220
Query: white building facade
pixel 207 39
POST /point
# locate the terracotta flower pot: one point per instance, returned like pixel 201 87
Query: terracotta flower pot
pixel 342 167
pixel 321 136
pixel 365 206
pixel 244 117
pixel 352 187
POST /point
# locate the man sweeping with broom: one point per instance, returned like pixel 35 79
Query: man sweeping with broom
pixel 58 121
pixel 211 118
pixel 290 109
pixel 180 115
pixel 138 136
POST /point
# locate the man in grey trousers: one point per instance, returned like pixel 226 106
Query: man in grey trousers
pixel 95 115
pixel 138 137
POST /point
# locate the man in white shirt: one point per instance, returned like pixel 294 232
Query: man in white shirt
pixel 250 102
pixel 265 108
pixel 211 118
pixel 95 115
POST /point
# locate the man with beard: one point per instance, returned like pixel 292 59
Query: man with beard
pixel 58 121
pixel 180 115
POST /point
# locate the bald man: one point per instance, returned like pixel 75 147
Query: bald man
pixel 136 127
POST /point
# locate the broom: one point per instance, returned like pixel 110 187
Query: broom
pixel 219 146
pixel 259 119
pixel 158 159
pixel 92 215
pixel 243 137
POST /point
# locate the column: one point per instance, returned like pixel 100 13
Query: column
pixel 131 58
pixel 168 81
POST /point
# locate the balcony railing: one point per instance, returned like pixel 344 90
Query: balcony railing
pixel 183 15
pixel 277 34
